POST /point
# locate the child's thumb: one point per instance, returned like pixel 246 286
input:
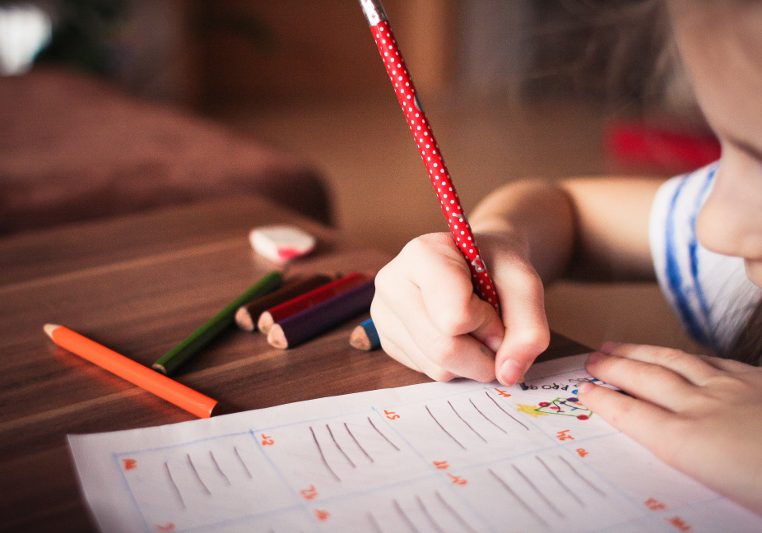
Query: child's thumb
pixel 526 326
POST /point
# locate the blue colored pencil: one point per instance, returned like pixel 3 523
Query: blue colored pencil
pixel 365 337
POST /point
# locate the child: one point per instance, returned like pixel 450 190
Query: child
pixel 701 235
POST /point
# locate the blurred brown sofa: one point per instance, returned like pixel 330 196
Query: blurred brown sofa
pixel 74 148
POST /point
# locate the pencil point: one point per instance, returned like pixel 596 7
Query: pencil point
pixel 265 322
pixel 244 319
pixel 359 339
pixel 277 338
pixel 49 329
pixel 160 368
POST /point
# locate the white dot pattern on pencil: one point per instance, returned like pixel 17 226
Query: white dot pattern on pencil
pixel 432 159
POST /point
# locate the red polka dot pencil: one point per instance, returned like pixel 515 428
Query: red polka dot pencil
pixel 428 148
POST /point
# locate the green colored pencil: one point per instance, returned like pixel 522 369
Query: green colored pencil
pixel 174 358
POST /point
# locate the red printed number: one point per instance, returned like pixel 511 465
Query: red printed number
pixel 457 480
pixel 322 515
pixel 680 524
pixel 267 440
pixel 502 393
pixel 582 452
pixel 129 464
pixel 441 465
pixel 654 504
pixel 391 415
pixel 310 493
pixel 564 435
pixel 169 526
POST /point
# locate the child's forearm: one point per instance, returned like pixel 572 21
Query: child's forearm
pixel 539 215
pixel 595 228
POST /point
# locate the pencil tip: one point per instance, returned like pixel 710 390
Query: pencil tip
pixel 276 337
pixel 244 320
pixel 49 329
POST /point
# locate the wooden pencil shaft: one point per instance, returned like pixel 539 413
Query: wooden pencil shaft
pixel 166 388
pixel 174 358
pixel 328 314
pixel 289 290
pixel 309 299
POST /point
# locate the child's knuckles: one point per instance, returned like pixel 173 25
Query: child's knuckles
pixel 452 320
pixel 443 349
pixel 440 374
pixel 529 341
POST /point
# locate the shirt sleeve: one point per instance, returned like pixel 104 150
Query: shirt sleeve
pixel 709 292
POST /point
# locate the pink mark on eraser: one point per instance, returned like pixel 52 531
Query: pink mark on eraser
pixel 281 243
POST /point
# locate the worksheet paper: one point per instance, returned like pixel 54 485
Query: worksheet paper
pixel 461 456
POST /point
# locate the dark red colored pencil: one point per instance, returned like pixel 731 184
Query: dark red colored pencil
pixel 311 322
pixel 296 305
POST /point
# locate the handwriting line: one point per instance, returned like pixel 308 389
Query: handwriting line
pixel 322 456
pixel 506 412
pixel 488 419
pixel 539 493
pixel 370 421
pixel 518 498
pixel 469 426
pixel 456 441
pixel 175 488
pixel 197 475
pixel 219 470
pixel 580 476
pixel 338 447
pixel 563 485
pixel 243 464
pixel 357 442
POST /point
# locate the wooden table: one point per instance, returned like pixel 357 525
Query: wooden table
pixel 139 284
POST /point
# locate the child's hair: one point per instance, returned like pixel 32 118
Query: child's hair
pixel 620 50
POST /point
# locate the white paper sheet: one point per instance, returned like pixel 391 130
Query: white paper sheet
pixel 435 457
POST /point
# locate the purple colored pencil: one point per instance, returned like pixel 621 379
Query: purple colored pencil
pixel 311 322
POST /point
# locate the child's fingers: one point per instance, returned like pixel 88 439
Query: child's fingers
pixel 461 355
pixel 689 366
pixel 385 321
pixel 526 325
pixel 656 384
pixel 727 365
pixel 447 293
pixel 648 424
pixel 417 341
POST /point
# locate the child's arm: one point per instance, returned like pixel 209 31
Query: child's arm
pixel 699 414
pixel 425 309
pixel 591 227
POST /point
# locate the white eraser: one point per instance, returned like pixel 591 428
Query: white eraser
pixel 281 244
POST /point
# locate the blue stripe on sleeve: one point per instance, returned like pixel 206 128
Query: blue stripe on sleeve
pixel 675 276
pixel 693 250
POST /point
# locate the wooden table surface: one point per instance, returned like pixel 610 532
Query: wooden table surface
pixel 139 284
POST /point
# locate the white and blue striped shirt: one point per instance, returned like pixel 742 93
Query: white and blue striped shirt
pixel 709 292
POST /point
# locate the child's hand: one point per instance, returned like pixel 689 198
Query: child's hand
pixel 702 415
pixel 429 318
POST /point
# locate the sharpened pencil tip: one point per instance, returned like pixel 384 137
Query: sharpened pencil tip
pixel 49 329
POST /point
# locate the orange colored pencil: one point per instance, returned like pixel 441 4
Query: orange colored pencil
pixel 184 397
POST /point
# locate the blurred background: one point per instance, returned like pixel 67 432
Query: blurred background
pixel 198 98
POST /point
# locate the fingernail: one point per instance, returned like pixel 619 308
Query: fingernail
pixel 594 357
pixel 585 387
pixel 493 343
pixel 511 372
pixel 608 347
